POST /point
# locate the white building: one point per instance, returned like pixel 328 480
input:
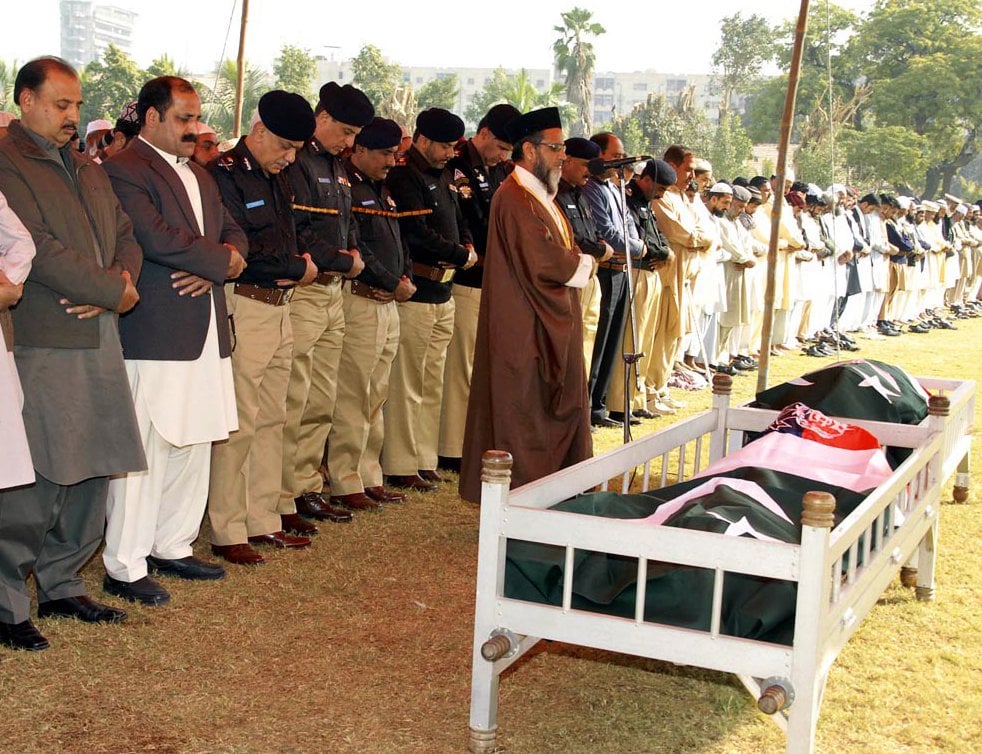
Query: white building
pixel 88 28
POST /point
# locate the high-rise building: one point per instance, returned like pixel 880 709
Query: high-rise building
pixel 88 28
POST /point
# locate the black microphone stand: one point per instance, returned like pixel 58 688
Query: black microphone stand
pixel 631 358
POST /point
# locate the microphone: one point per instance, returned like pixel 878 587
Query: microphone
pixel 598 166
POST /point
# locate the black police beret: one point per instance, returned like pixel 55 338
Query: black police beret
pixel 496 120
pixel 347 104
pixel 577 146
pixel 381 133
pixel 660 172
pixel 287 115
pixel 440 125
pixel 533 122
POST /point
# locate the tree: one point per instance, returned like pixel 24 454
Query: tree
pixel 575 57
pixel 923 60
pixel 746 45
pixel 518 91
pixel 218 105
pixel 655 124
pixel 165 66
pixel 891 154
pixel 8 73
pixel 730 150
pixel 375 77
pixel 294 69
pixel 439 92
pixel 110 84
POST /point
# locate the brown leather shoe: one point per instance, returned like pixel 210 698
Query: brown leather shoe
pixel 412 482
pixel 293 523
pixel 280 539
pixel 381 495
pixel 314 505
pixel 238 554
pixel 356 501
pixel 431 475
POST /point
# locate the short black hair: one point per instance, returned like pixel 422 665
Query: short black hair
pixel 35 72
pixel 602 139
pixel 158 93
pixel 759 180
pixel 676 154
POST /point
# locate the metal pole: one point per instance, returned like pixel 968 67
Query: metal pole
pixel 240 72
pixel 782 157
pixel 630 357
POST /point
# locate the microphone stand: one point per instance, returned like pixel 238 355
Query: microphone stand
pixel 630 358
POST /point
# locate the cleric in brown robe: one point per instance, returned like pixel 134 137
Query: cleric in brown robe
pixel 528 393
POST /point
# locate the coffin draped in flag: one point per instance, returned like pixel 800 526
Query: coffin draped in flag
pixel 756 491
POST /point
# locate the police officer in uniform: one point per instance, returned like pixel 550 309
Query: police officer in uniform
pixel 479 167
pixel 576 172
pixel 371 335
pixel 244 496
pixel 651 184
pixel 439 243
pixel 322 214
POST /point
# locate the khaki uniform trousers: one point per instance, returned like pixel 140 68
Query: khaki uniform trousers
pixel 647 298
pixel 667 333
pixel 317 319
pixel 371 339
pixel 246 469
pixel 460 364
pixel 412 413
pixel 590 306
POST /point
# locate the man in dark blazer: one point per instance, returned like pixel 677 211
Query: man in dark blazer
pixel 78 412
pixel 176 345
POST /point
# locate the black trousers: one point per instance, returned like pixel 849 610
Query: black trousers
pixel 607 346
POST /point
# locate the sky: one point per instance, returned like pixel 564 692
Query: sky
pixel 663 35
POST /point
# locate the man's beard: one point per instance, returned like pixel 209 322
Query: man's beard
pixel 717 212
pixel 549 177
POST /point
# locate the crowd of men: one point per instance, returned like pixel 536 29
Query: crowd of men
pixel 324 317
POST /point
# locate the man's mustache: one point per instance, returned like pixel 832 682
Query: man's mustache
pixel 190 138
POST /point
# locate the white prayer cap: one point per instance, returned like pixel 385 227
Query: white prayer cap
pixel 836 188
pixel 204 128
pixel 700 165
pixel 952 199
pixel 814 190
pixel 97 125
pixel 5 118
pixel 929 206
pixel 721 188
pixel 961 209
pixel 788 174
pixel 905 202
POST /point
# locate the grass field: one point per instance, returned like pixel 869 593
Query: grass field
pixel 362 644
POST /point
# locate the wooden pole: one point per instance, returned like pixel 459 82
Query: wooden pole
pixel 782 158
pixel 240 72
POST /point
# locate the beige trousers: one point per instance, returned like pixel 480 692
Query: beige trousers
pixel 647 298
pixel 371 339
pixel 246 469
pixel 460 364
pixel 317 319
pixel 590 306
pixel 412 412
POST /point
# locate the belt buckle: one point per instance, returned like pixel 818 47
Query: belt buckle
pixel 447 275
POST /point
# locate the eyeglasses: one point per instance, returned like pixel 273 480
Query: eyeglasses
pixel 554 146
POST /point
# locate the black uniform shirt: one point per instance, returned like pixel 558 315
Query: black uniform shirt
pixel 644 218
pixel 260 204
pixel 433 231
pixel 322 207
pixel 374 209
pixel 577 211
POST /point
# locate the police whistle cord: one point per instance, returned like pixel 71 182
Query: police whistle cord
pixel 387 213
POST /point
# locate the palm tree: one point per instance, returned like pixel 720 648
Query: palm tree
pixel 218 104
pixel 575 58
pixel 7 75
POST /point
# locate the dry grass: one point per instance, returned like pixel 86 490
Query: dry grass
pixel 362 644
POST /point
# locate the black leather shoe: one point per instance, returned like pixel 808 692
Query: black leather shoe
pixel 606 423
pixel 381 495
pixel 191 568
pixel 448 464
pixel 22 636
pixel 314 505
pixel 82 608
pixel 146 591
pixel 430 475
pixel 618 417
pixel 643 413
pixel 357 501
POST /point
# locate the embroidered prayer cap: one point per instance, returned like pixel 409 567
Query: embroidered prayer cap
pixel 740 194
pixel 128 122
pixel 381 133
pixel 577 146
pixel 754 194
pixel 721 188
pixel 699 165
pixel 346 104
pixel 533 122
pixel 287 115
pixel 440 125
pixel 99 124
pixel 496 120
pixel 660 172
